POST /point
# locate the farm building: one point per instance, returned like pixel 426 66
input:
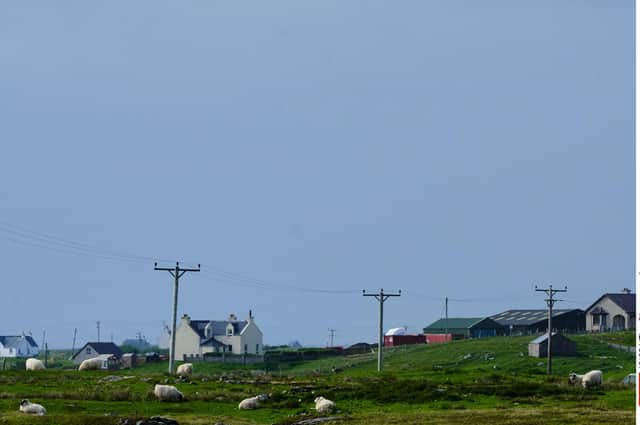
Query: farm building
pixel 560 346
pixel 437 338
pixel 529 322
pixel 129 360
pixel 396 340
pixel 96 349
pixel 612 312
pixel 473 327
pixel 18 346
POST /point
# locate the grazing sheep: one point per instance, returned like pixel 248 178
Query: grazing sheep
pixel 252 402
pixel 34 364
pixel 167 393
pixel 32 408
pixel 94 363
pixel 185 370
pixel 589 379
pixel 324 405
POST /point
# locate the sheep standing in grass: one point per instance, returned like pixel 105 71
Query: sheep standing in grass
pixel 589 379
pixel 91 364
pixel 185 370
pixel 167 393
pixel 32 408
pixel 252 402
pixel 34 364
pixel 324 405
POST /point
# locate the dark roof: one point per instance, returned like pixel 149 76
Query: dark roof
pixel 101 348
pixel 526 317
pixel 627 302
pixel 458 323
pixel 219 326
pixel 211 342
pixel 13 340
pixel 543 338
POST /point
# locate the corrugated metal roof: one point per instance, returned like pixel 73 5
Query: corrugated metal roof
pixel 455 323
pixel 526 317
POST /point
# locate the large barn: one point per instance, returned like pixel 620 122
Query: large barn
pixel 466 327
pixel 528 322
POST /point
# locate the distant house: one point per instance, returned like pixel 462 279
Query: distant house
pixel 195 338
pixel 463 327
pixel 138 343
pixel 528 322
pixel 18 346
pixel 560 346
pixel 612 312
pixel 96 349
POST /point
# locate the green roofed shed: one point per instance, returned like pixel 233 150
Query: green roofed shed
pixel 466 327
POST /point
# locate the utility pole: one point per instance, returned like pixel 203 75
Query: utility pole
pixel 98 327
pixel 381 297
pixel 332 332
pixel 73 346
pixel 550 301
pixel 176 272
pixel 446 315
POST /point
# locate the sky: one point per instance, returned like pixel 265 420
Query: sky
pixel 305 151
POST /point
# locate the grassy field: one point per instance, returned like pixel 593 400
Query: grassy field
pixel 487 381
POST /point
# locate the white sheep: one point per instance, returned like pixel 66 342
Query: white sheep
pixel 34 364
pixel 589 379
pixel 185 370
pixel 32 408
pixel 324 405
pixel 94 363
pixel 167 393
pixel 252 402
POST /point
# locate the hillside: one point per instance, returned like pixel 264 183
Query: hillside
pixel 493 378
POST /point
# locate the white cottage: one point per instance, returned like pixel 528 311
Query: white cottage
pixel 612 312
pixel 18 346
pixel 198 337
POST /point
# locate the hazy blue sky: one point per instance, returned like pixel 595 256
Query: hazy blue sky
pixel 463 149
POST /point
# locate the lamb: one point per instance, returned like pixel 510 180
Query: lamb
pixel 34 364
pixel 589 379
pixel 185 370
pixel 252 402
pixel 324 405
pixel 91 364
pixel 32 408
pixel 167 393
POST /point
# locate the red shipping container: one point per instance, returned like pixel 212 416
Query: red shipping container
pixel 436 338
pixel 395 340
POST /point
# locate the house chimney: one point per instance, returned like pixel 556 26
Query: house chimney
pixel 186 319
pixel 250 316
pixel 626 290
pixel 232 317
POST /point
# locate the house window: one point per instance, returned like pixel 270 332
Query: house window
pixel 245 349
pixel 88 350
pixel 257 348
pixel 230 348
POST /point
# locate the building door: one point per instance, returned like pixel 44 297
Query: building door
pixel 618 322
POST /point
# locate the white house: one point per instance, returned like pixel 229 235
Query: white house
pixel 612 312
pixel 198 337
pixel 18 346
